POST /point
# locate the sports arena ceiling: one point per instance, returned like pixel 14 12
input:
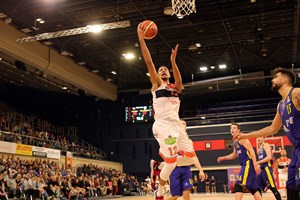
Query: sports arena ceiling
pixel 250 37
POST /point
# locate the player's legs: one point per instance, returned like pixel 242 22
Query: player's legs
pixel 291 186
pixel 166 133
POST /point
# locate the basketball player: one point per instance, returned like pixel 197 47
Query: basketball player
pixel 249 167
pixel 180 178
pixel 167 127
pixel 265 160
pixel 288 116
pixel 281 166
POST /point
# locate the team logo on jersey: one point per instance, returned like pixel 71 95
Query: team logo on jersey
pixel 170 140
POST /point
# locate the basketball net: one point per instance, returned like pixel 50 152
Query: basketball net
pixel 183 7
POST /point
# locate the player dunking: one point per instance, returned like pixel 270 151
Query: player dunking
pixel 288 116
pixel 249 167
pixel 167 127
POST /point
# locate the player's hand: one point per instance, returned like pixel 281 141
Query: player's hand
pixel 239 136
pixel 174 53
pixel 257 169
pixel 201 175
pixel 220 159
pixel 140 31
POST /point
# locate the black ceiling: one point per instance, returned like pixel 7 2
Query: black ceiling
pixel 249 37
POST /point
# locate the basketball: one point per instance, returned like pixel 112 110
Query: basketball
pixel 149 28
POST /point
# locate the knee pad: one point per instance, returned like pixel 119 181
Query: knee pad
pixel 238 188
pixel 253 191
pixel 167 170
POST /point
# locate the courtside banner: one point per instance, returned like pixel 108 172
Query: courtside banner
pixel 7 147
pixel 50 153
pixel 23 149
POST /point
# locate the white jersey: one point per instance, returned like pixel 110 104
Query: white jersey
pixel 166 102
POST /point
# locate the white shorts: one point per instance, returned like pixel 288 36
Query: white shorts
pixel 172 137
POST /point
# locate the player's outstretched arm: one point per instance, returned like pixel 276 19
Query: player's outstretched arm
pixel 269 130
pixel 176 72
pixel 154 78
pixel 231 156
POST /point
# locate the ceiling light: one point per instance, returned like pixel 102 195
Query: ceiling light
pixel 179 16
pixel 203 69
pixel 81 63
pixel 47 43
pixel 236 81
pixel 203 117
pixel 64 88
pixel 8 20
pixel 2 15
pixel 42 22
pixel 114 72
pixel 94 28
pixel 223 66
pixel 210 87
pixel 64 53
pixel 212 67
pixel 26 30
pixel 38 19
pixel 198 45
pixel 252 1
pixel 0 58
pixel 128 56
pixel 148 74
pixel 168 10
pixel 74 31
pixel 95 71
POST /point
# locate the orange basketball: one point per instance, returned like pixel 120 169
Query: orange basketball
pixel 150 29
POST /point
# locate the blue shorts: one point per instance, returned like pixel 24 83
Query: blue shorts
pixel 247 175
pixel 180 180
pixel 293 181
pixel 265 178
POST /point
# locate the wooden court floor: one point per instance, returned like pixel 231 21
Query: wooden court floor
pixel 219 196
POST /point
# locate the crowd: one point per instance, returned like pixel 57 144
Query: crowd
pixel 23 133
pixel 46 179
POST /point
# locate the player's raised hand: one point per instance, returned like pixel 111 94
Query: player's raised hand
pixel 140 31
pixel 174 53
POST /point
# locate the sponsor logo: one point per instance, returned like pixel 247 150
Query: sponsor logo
pixel 170 140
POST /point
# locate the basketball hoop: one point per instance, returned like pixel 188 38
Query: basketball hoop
pixel 183 7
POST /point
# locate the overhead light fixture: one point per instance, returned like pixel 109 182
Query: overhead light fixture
pixel 179 16
pixel 64 88
pixel 74 31
pixel 236 81
pixel 81 63
pixel 223 66
pixel 48 43
pixel 64 53
pixel 198 45
pixel 26 30
pixel 114 72
pixel 212 67
pixel 95 28
pixel 128 56
pixel 148 74
pixel 203 69
pixel 8 20
pixel 95 71
pixel 2 15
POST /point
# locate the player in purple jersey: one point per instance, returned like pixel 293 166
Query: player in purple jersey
pixel 288 117
pixel 249 167
pixel 265 160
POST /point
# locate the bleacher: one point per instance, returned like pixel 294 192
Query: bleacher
pixel 238 111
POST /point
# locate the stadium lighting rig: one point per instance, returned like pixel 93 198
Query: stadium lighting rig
pixel 75 31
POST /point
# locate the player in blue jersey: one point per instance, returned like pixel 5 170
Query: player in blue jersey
pixel 288 117
pixel 249 167
pixel 265 160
